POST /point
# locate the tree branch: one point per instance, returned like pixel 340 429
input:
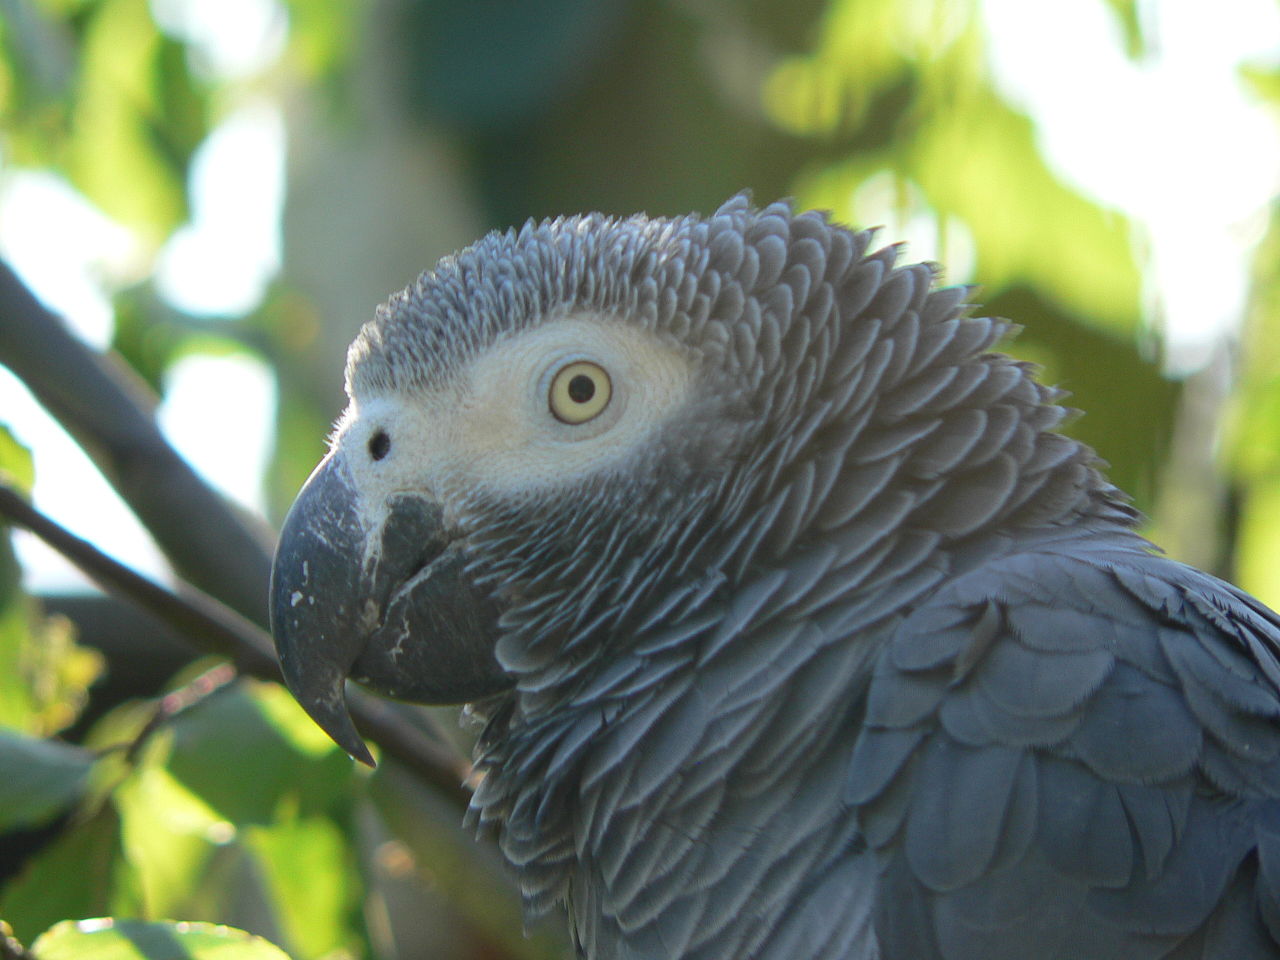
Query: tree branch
pixel 110 413
pixel 180 701
pixel 215 628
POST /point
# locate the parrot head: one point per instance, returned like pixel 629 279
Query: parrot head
pixel 522 438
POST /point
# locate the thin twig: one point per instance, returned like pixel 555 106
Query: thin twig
pixel 179 701
pixel 215 628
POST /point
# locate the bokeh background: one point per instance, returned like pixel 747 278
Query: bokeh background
pixel 216 193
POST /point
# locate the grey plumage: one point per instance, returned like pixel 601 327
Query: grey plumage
pixel 849 654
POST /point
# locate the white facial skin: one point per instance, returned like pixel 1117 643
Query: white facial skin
pixel 493 429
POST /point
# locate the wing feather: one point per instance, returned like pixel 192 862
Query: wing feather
pixel 1075 751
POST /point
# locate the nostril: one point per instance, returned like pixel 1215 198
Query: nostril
pixel 379 445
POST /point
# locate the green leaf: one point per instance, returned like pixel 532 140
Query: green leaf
pixel 208 827
pixel 17 470
pixel 311 875
pixel 134 940
pixel 202 816
pixel 1265 81
pixel 137 119
pixel 299 423
pixel 1256 569
pixel 39 779
pixel 292 765
pixel 44 674
pixel 168 835
pixel 862 52
pixel 144 334
pixel 281 798
pixel 71 877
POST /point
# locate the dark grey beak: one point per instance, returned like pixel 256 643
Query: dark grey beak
pixel 390 605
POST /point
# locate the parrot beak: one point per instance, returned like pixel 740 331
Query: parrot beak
pixel 386 602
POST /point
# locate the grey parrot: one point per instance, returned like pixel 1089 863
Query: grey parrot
pixel 797 628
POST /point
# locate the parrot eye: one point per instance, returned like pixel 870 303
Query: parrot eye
pixel 579 392
pixel 379 444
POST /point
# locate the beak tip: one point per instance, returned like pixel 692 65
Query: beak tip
pixel 364 756
pixel 337 723
pixel 320 690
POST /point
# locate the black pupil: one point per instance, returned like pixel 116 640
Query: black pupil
pixel 581 388
pixel 379 445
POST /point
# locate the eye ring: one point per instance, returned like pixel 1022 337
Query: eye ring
pixel 580 391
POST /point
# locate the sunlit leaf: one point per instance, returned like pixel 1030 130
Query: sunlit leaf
pixel 1256 567
pixel 298 446
pixel 311 878
pixel 864 48
pixel 290 721
pixel 134 940
pixel 168 835
pixel 1264 81
pixel 16 708
pixel 136 122
pixel 15 701
pixel 44 674
pixel 64 8
pixel 292 764
pixel 238 791
pixel 39 779
pixel 17 470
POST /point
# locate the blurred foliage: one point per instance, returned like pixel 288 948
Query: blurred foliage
pixel 56 774
pixel 898 103
pixel 198 824
pixel 97 92
pixel 44 673
pixel 1253 449
pixel 1128 16
pixel 413 126
pixel 131 940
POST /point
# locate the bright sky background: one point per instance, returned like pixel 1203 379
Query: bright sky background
pixel 1174 141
